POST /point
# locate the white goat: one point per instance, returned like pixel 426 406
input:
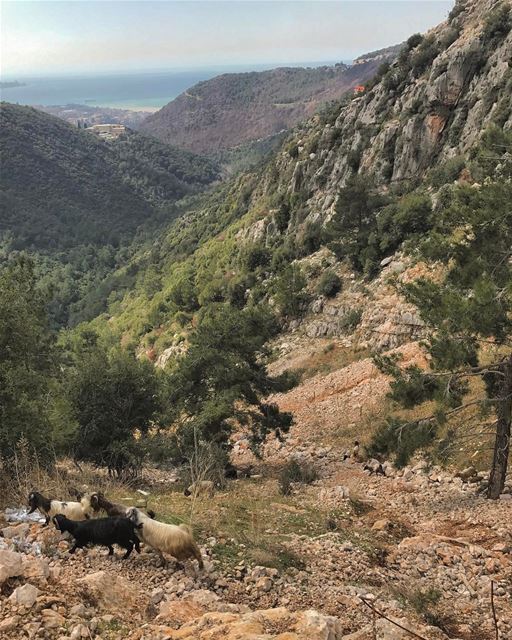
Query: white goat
pixel 176 540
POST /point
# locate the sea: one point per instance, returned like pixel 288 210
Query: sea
pixel 122 91
pixel 142 90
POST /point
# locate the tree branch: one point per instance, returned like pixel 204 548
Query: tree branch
pixel 379 613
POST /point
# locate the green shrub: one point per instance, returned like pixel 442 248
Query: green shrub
pixel 423 57
pixel 329 285
pixel 497 25
pixel 294 471
pixel 254 256
pixel 413 41
pixel 310 240
pixel 351 319
pixel 447 172
pixel 282 216
pixel 293 151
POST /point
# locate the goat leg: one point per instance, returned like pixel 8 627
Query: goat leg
pixel 129 549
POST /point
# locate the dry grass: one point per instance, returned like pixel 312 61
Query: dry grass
pixel 332 357
pixel 54 478
pixel 251 519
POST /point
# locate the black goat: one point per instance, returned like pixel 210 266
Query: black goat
pixel 102 531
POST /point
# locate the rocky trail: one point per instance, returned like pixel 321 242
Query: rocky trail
pixel 418 545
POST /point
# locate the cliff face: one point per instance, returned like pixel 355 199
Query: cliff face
pixel 432 105
pixel 236 108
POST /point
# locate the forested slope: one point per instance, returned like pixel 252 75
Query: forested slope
pixel 62 186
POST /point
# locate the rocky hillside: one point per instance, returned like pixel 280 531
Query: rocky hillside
pixel 236 108
pixel 418 545
pixel 431 106
pixel 417 121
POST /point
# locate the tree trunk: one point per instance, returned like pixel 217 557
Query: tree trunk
pixel 502 442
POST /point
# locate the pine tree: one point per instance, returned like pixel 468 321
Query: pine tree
pixel 28 359
pixel 222 379
pixel 469 316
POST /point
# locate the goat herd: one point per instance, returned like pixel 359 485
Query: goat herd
pixel 124 526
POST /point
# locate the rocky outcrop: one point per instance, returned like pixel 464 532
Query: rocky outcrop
pixel 269 624
pixel 413 118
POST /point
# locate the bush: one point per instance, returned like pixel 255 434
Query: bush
pixel 351 319
pixel 497 25
pixel 413 41
pixel 310 240
pixel 329 285
pixel 294 471
pixel 254 256
pixel 424 56
pixel 447 172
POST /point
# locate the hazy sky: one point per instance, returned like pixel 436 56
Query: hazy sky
pixel 39 37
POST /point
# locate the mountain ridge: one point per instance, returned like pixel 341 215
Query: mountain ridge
pixel 235 108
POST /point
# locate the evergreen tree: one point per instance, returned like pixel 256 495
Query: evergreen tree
pixel 290 291
pixel 112 395
pixel 350 231
pixel 28 359
pixel 222 379
pixel 469 315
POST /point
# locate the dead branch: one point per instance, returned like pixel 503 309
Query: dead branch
pixel 494 617
pixel 379 613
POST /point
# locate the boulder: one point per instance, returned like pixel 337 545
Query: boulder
pixel 10 565
pixel 179 612
pixel 381 525
pixel 108 591
pixel 52 619
pixel 9 624
pixel 266 624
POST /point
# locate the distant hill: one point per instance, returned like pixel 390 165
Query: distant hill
pixel 235 108
pixel 62 187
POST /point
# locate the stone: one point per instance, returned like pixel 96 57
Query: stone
pixel 264 584
pixel 157 595
pixel 386 261
pixel 9 623
pixel 108 591
pixel 381 525
pixel 10 565
pixel 25 595
pixel 36 569
pixel 78 610
pixel 466 474
pixel 52 619
pixel 16 531
pixel 179 612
